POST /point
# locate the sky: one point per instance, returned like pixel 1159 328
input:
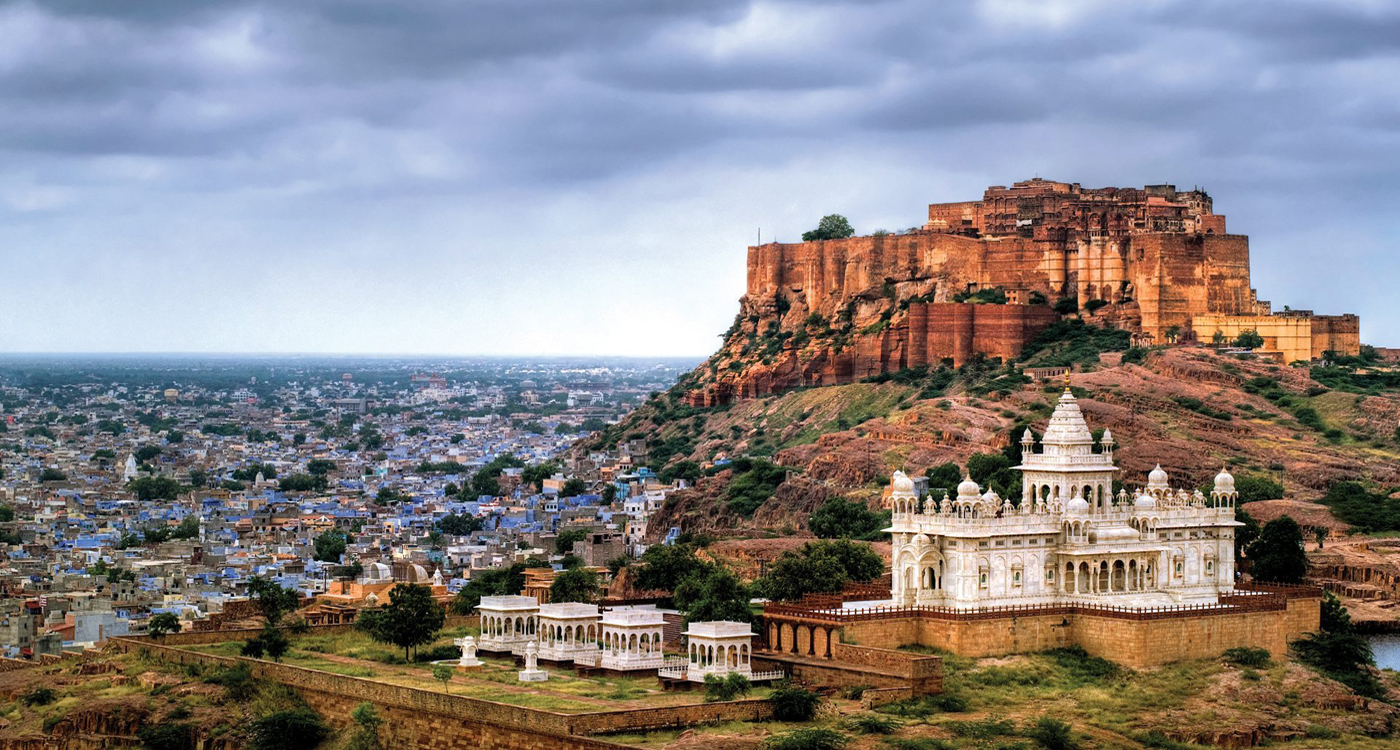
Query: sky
pixel 584 176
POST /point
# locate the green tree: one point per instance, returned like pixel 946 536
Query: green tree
pixel 302 483
pixel 727 688
pixel 944 478
pixel 459 525
pixel 713 593
pixel 7 513
pixel 442 673
pixel 820 567
pixel 575 585
pixel 329 546
pixel 154 488
pixel 52 475
pixel 839 518
pixel 368 721
pixel 1278 555
pixel 198 477
pixel 831 227
pixel 163 623
pixel 288 729
pixel 411 619
pixel 1244 535
pixel 320 466
pixel 564 542
pixel 272 600
pixel 495 582
pixel 664 566
pixel 573 487
pixel 1249 339
pixel 145 453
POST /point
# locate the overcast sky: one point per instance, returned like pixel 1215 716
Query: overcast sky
pixel 583 176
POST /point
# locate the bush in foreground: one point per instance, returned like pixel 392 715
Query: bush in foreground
pixel 290 729
pixel 794 703
pixel 806 739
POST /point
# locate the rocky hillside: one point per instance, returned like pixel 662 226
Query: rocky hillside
pixel 1190 409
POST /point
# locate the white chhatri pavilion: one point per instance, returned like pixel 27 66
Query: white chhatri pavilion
pixel 1069 540
pixel 569 632
pixel 508 623
pixel 632 639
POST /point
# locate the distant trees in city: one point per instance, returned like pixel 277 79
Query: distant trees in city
pixel 162 624
pixel 831 227
pixel 839 518
pixel 411 619
pixel 1278 555
pixel 250 472
pixel 52 475
pixel 574 585
pixel 564 541
pixel 486 480
pixel 154 488
pixel 820 567
pixel 320 466
pixel 458 525
pixel 329 545
pixel 573 487
pixel 7 513
pixel 145 453
pixel 302 483
pixel 390 496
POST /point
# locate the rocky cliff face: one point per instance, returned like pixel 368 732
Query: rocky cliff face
pixel 1190 409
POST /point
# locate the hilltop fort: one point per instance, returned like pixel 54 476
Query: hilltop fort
pixel 985 277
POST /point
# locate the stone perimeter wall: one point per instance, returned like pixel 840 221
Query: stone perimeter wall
pixel 431 720
pixel 1135 643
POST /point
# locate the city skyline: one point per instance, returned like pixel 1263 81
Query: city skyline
pixel 555 179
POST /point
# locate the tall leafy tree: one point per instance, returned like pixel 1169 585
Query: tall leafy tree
pixel 330 545
pixel 411 619
pixel 574 585
pixel 839 518
pixel 831 227
pixel 1278 554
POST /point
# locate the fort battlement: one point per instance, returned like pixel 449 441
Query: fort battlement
pixel 1155 261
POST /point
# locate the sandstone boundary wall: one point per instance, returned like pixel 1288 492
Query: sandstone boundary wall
pixel 432 720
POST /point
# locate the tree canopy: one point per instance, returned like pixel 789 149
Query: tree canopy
pixel 330 545
pixel 831 227
pixel 820 567
pixel 574 585
pixel 1278 555
pixel 411 619
pixel 839 518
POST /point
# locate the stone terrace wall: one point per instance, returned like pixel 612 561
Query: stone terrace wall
pixel 441 721
pixel 1133 642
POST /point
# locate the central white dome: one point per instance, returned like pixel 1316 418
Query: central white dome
pixel 968 490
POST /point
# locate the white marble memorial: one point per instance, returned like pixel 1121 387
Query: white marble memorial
pixel 508 623
pixel 532 671
pixel 1070 540
pixel 468 646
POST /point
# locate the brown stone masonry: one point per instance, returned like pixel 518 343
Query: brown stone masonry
pixel 1266 617
pixel 438 721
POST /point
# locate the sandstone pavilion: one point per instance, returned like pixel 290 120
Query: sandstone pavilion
pixel 1142 579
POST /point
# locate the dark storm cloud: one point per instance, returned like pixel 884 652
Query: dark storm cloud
pixel 580 133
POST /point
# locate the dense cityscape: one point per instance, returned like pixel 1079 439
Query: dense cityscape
pixel 135 487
